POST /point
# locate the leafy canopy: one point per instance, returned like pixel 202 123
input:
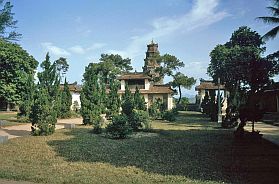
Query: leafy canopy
pixel 15 67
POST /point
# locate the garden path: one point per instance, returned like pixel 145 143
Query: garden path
pixel 270 132
pixel 25 129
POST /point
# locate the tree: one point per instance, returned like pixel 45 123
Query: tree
pixel 46 101
pixel 66 101
pixel 91 107
pixel 113 99
pixel 15 67
pixel 110 66
pixel 27 98
pixel 127 102
pixel 62 66
pixel 169 65
pixel 139 100
pixel 181 80
pixel 7 23
pixel 240 65
pixel 273 19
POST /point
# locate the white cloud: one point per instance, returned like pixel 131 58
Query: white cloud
pixel 96 46
pixel 77 49
pixel 57 51
pixel 202 14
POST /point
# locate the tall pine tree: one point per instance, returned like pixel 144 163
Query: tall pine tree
pixel 139 102
pixel 27 98
pixel 113 100
pixel 91 98
pixel 44 111
pixel 66 101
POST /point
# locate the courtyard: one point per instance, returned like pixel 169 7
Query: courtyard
pixel 190 150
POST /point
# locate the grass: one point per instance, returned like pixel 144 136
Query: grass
pixel 191 150
pixel 10 119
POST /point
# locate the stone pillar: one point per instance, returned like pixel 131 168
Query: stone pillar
pixel 170 102
pixel 122 85
pixel 146 84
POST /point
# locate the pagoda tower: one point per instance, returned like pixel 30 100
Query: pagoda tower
pixel 150 62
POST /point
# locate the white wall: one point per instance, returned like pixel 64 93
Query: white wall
pixel 75 97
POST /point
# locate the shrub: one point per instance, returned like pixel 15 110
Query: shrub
pixel 170 115
pixel 97 125
pixel 43 115
pixel 154 111
pixel 119 128
pixel 139 119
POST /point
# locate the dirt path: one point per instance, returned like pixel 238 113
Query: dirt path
pixel 24 130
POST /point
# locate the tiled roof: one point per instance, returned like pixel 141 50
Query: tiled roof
pixel 136 75
pixel 208 85
pixel 156 89
pixel 73 87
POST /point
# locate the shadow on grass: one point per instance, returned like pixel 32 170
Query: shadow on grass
pixel 202 154
pixel 197 154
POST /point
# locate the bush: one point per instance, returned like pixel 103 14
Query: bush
pixel 170 115
pixel 154 111
pixel 43 115
pixel 139 119
pixel 97 125
pixel 119 128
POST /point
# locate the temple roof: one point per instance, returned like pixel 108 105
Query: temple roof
pixel 156 89
pixel 74 87
pixel 208 85
pixel 135 75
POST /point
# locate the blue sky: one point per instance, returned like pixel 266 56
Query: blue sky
pixel 82 30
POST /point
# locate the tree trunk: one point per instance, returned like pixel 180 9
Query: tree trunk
pixel 179 89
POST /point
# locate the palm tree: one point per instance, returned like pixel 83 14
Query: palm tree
pixel 274 19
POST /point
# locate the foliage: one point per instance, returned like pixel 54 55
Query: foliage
pixel 62 66
pixel 240 65
pixel 169 66
pixel 273 19
pixel 169 115
pixel 90 97
pixel 7 23
pixel 42 116
pixel 127 102
pixel 113 99
pixel 156 109
pixel 139 101
pixel 16 65
pixel 97 125
pixel 76 106
pixel 181 80
pixel 109 67
pixel 183 104
pixel 119 128
pixel 27 98
pixel 139 119
pixel 66 101
pixel 46 102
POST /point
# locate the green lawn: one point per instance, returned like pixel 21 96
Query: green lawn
pixel 10 119
pixel 191 150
